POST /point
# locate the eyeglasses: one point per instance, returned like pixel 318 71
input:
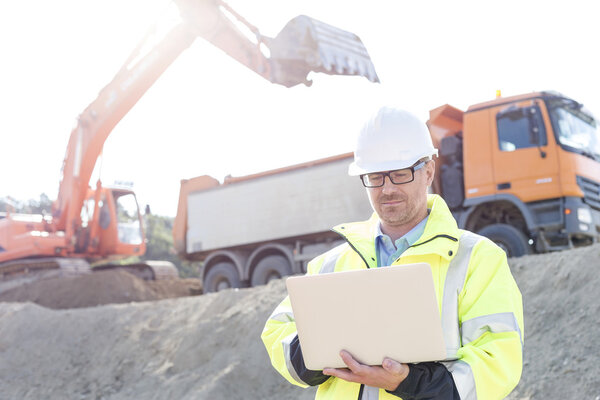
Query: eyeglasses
pixel 397 176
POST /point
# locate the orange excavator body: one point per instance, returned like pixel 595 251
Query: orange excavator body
pixel 105 223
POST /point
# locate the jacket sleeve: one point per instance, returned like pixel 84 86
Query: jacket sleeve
pixel 490 311
pixel 281 341
pixel 427 381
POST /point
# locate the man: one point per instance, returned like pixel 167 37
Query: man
pixel 481 312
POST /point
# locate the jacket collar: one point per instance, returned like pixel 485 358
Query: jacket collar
pixel 441 232
pixel 439 237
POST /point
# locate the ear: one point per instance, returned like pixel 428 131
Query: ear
pixel 430 172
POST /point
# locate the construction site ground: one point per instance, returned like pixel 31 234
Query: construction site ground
pixel 110 335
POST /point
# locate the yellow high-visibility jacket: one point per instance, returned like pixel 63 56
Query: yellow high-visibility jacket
pixel 480 304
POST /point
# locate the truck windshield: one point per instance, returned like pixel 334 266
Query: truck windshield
pixel 576 130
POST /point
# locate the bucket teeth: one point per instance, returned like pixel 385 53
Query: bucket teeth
pixel 319 47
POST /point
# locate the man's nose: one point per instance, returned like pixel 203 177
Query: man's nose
pixel 388 186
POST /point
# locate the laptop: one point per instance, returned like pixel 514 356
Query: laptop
pixel 372 313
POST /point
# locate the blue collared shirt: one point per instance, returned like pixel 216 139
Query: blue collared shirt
pixel 387 251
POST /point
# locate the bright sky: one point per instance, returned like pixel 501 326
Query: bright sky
pixel 210 115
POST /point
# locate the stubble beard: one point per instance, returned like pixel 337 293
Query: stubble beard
pixel 405 214
pixel 395 215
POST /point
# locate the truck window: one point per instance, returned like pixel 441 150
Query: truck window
pixel 514 131
pixel 576 129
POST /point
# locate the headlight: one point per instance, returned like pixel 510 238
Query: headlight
pixel 584 215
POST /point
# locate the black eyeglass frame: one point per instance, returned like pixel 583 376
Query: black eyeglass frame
pixel 413 168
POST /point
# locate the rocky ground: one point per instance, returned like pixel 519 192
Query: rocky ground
pixel 67 339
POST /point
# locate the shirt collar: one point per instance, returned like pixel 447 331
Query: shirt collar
pixel 411 236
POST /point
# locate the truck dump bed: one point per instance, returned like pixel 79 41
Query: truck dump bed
pixel 293 202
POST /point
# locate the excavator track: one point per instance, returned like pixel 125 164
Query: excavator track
pixel 19 272
pixel 32 265
pixel 151 270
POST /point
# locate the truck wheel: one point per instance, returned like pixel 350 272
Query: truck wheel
pixel 509 238
pixel 269 268
pixel 221 276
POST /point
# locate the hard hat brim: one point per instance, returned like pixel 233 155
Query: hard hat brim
pixel 355 169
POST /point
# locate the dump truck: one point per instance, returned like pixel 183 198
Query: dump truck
pixel 522 170
pixel 96 226
pixel 249 230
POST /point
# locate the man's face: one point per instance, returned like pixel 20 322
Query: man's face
pixel 402 206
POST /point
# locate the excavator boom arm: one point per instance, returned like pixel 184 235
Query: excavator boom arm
pixel 304 45
pixel 97 121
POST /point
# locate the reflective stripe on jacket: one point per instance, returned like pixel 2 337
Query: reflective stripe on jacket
pixel 480 303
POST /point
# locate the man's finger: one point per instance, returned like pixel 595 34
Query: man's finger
pixel 338 373
pixel 392 366
pixel 354 365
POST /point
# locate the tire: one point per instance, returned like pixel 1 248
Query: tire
pixel 509 238
pixel 221 276
pixel 269 268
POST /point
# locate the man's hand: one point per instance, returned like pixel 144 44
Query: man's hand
pixel 387 376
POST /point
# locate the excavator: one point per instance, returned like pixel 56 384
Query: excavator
pixel 102 225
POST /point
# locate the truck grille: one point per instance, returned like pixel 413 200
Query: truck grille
pixel 591 192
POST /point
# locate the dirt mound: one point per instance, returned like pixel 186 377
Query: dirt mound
pixel 561 300
pixel 208 347
pixel 97 288
pixel 201 347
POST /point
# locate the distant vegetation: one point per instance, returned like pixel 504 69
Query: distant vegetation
pixel 41 206
pixel 158 231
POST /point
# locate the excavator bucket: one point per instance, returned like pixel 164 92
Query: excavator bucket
pixel 306 44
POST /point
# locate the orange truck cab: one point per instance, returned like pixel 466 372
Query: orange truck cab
pixel 522 170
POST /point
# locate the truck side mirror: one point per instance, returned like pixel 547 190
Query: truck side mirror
pixel 535 128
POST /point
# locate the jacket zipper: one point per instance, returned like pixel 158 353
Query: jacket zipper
pixel 360 392
pixel 435 237
pixel 429 240
pixel 353 248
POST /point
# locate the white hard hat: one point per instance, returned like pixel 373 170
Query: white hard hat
pixel 391 139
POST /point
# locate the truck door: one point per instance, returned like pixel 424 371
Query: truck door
pixel 525 160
